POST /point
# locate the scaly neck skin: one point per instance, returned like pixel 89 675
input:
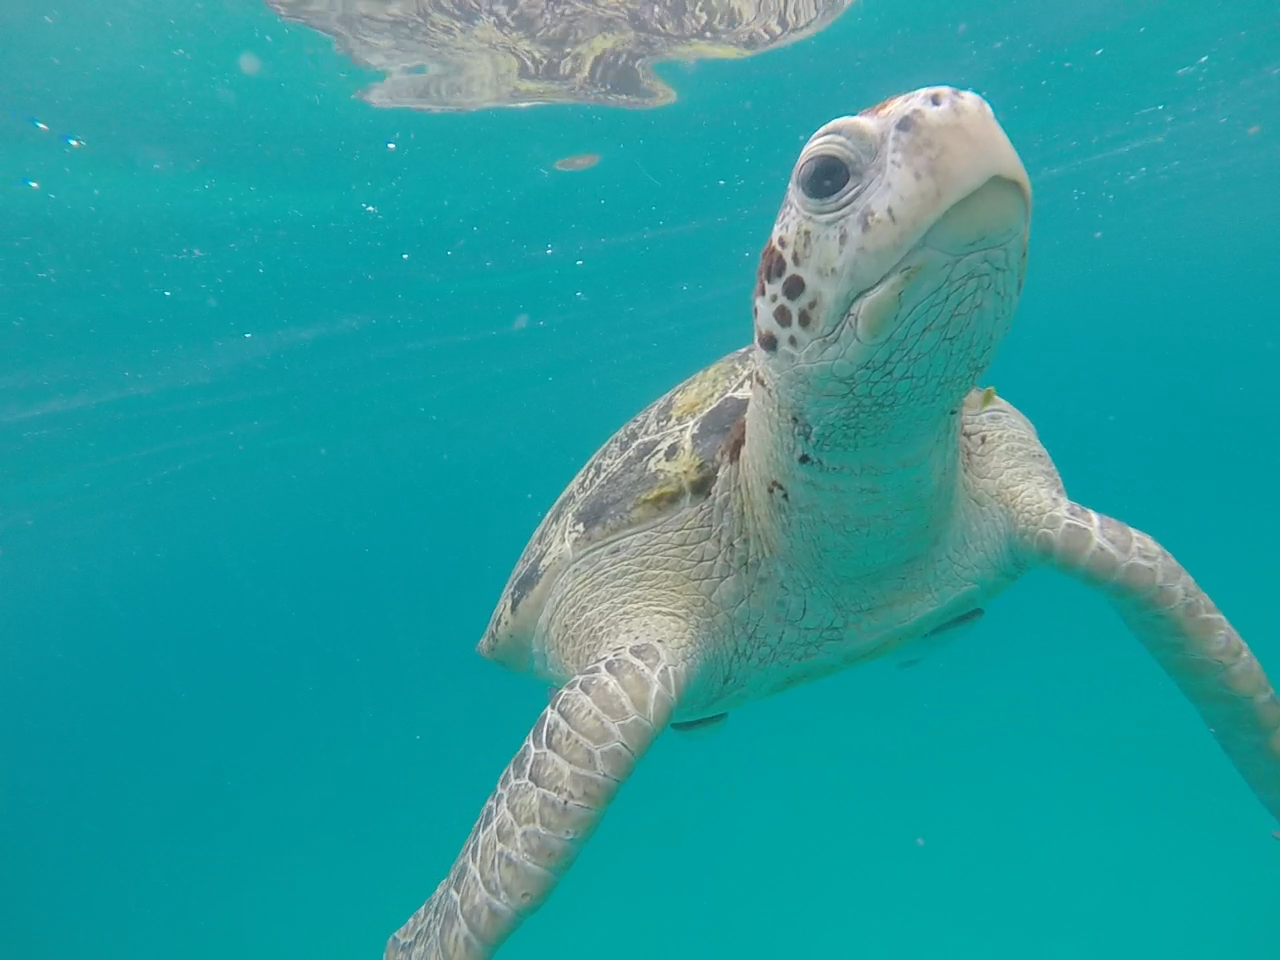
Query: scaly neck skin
pixel 867 484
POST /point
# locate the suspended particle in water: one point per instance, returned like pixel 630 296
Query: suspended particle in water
pixel 521 322
pixel 579 161
pixel 34 185
pixel 391 145
pixel 38 125
pixel 249 63
pixel 74 142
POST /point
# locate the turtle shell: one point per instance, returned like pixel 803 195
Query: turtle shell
pixel 446 55
pixel 663 461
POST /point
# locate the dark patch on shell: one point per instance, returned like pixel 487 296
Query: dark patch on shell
pixel 719 424
pixel 594 511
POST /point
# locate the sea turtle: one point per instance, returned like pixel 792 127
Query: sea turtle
pixel 836 490
pixel 449 55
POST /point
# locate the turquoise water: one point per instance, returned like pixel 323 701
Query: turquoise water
pixel 279 407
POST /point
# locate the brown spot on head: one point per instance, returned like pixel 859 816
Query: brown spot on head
pixel 793 287
pixel 935 98
pixel 905 122
pixel 804 319
pixel 772 266
pixel 791 339
pixel 782 315
pixel 736 438
pixel 766 340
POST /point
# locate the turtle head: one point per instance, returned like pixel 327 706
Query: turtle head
pixel 896 260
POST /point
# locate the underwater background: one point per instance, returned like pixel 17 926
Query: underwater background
pixel 286 382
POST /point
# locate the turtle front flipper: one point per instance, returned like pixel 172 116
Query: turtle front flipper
pixel 1182 628
pixel 547 803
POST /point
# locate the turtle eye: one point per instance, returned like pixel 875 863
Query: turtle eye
pixel 823 176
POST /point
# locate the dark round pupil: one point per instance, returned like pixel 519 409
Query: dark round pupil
pixel 823 176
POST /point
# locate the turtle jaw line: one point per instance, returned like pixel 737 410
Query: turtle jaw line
pixel 993 218
pixel 988 226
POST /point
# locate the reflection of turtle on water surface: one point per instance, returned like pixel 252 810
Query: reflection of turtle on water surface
pixel 471 54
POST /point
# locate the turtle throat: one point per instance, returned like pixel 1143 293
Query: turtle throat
pixel 821 485
pixel 861 426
